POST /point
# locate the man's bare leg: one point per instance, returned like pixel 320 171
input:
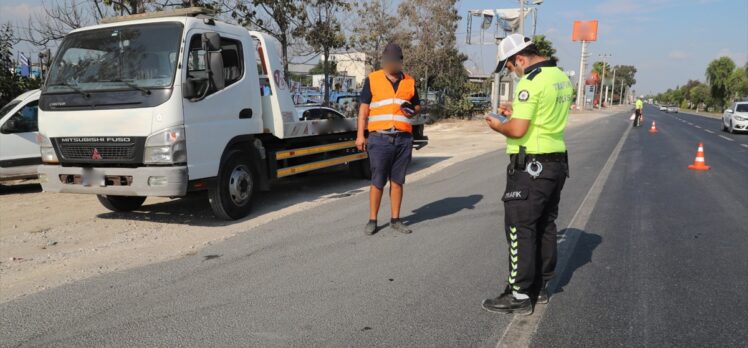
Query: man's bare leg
pixel 375 199
pixel 396 199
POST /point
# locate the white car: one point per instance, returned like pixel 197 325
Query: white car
pixel 19 151
pixel 663 108
pixel 736 118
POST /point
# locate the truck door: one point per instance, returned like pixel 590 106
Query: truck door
pixel 211 122
pixel 19 153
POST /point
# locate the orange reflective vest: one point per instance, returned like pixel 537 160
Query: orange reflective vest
pixel 384 109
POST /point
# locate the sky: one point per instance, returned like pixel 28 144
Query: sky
pixel 669 41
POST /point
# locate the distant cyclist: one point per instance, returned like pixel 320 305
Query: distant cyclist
pixel 638 111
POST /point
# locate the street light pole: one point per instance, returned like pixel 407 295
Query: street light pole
pixel 612 88
pixel 602 81
pixel 522 17
pixel 580 85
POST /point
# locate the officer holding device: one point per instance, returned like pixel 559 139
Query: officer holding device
pixel 538 167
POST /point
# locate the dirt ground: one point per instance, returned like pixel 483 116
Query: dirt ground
pixel 48 239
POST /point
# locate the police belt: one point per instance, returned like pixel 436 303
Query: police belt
pixel 542 158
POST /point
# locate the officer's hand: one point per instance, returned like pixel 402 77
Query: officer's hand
pixel 492 122
pixel 506 109
pixel 361 143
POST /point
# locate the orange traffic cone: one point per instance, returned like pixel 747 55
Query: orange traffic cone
pixel 654 128
pixel 698 162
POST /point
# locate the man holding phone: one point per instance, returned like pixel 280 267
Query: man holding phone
pixel 388 102
pixel 536 174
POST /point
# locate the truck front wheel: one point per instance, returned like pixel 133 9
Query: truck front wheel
pixel 231 193
pixel 121 203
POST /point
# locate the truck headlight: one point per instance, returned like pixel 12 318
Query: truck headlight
pixel 46 150
pixel 168 146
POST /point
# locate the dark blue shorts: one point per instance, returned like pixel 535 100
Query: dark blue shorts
pixel 389 157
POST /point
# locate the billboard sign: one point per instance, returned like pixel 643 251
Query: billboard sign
pixel 584 31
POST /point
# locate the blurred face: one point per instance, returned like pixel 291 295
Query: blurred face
pixel 517 65
pixel 392 66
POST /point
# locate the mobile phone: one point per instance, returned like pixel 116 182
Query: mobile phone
pixel 408 108
pixel 501 118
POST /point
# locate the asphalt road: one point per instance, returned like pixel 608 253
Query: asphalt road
pixel 661 263
pixel 663 260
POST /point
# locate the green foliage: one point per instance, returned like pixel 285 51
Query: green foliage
pixel 545 47
pixel 431 53
pixel 375 27
pixel 737 84
pixel 717 74
pixel 322 31
pixel 626 74
pixel 332 68
pixel 11 85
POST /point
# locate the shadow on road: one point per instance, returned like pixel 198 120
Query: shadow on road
pixel 22 187
pixel 581 255
pixel 441 208
pixel 327 184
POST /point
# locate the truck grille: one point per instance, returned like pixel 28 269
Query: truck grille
pixel 107 152
pixel 100 150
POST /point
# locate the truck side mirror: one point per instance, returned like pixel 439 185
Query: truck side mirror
pixel 212 46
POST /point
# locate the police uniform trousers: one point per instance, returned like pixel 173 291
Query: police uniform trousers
pixel 530 212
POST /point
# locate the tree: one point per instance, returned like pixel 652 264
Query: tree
pixel 699 95
pixel 717 75
pixel 332 68
pixel 278 18
pixel 8 80
pixel 431 53
pixel 737 84
pixel 545 47
pixel 321 31
pixel 374 28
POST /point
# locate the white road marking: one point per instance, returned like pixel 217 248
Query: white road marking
pixel 699 127
pixel 521 328
pixel 726 138
pixel 744 145
pixel 690 124
pixel 709 131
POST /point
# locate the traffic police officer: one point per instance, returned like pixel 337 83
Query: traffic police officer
pixel 536 173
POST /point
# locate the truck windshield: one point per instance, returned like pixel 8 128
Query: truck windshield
pixel 117 58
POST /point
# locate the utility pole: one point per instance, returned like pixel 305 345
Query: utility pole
pixel 612 88
pixel 620 102
pixel 602 80
pixel 580 85
pixel 522 17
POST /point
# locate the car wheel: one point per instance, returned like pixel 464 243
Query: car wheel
pixel 231 194
pixel 121 203
pixel 724 128
pixel 732 129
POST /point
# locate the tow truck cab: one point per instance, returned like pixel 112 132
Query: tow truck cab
pixel 165 103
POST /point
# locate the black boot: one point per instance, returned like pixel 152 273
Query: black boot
pixel 507 303
pixel 544 295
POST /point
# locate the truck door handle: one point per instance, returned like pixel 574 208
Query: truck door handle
pixel 245 113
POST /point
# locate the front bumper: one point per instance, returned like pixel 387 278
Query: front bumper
pixel 740 125
pixel 172 181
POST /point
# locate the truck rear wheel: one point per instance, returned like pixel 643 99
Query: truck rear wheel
pixel 121 203
pixel 231 194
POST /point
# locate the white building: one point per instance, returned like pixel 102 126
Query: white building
pixel 352 64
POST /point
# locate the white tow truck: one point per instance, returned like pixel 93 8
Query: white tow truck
pixel 166 103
